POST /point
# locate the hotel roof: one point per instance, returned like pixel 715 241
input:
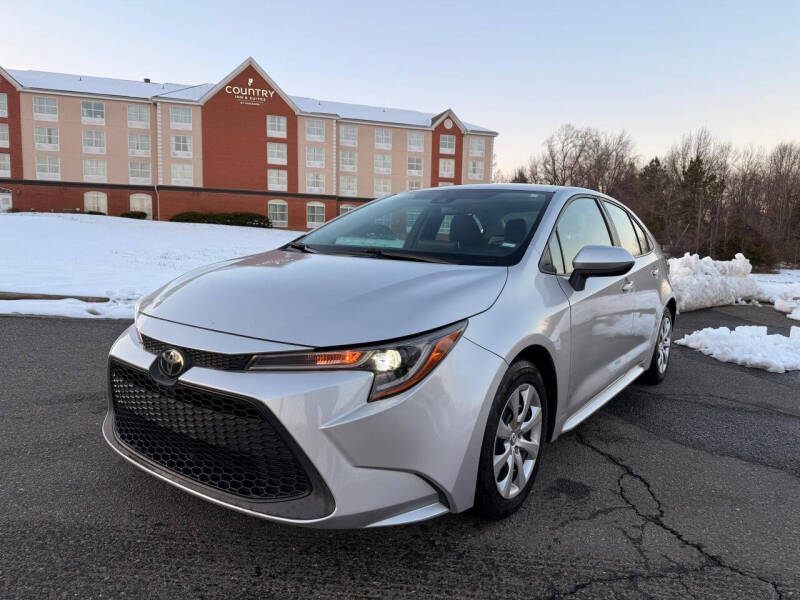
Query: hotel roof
pixel 125 88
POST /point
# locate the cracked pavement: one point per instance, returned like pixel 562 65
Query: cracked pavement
pixel 690 489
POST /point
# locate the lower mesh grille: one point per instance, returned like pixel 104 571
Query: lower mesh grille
pixel 215 439
pixel 201 358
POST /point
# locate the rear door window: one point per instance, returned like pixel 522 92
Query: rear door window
pixel 624 227
pixel 644 241
pixel 581 224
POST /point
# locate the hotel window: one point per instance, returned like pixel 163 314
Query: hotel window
pixel 139 116
pixel 477 146
pixel 3 135
pixel 346 208
pixel 414 166
pixel 315 156
pixel 3 105
pixel 416 141
pixel 182 146
pixel 447 144
pixel 182 174
pixel 445 183
pixel 139 172
pixel 180 117
pixel 46 138
pixel 278 213
pixel 138 144
pixel 414 184
pixel 94 170
pixel 348 135
pixel 447 168
pixel 383 164
pixel 348 185
pixel 93 141
pixel 95 202
pixel 315 183
pixel 277 180
pixel 141 203
pixel 45 109
pixel 383 139
pixel 476 169
pixel 276 153
pixel 315 214
pixel 315 130
pixel 276 126
pixel 48 167
pixel 5 165
pixel 348 160
pixel 382 187
pixel 93 113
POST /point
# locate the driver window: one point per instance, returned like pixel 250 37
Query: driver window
pixel 581 224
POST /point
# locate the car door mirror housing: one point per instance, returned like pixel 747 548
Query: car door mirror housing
pixel 599 261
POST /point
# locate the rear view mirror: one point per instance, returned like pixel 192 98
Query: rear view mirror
pixel 599 261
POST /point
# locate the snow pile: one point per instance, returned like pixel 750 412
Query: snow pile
pixel 702 283
pixel 782 289
pixel 120 259
pixel 748 345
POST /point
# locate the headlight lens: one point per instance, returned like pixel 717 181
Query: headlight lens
pixel 397 366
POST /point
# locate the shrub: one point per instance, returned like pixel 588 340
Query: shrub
pixel 134 214
pixel 242 219
pixel 14 209
pixel 94 212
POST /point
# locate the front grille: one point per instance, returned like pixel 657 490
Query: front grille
pixel 218 440
pixel 201 358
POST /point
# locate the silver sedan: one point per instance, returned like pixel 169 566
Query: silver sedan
pixel 405 360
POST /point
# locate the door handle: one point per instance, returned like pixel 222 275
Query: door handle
pixel 627 286
pixel 654 272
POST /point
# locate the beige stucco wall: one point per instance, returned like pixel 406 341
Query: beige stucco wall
pixel 487 160
pixel 329 145
pixel 165 148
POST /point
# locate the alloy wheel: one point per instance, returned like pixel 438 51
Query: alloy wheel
pixel 517 440
pixel 664 340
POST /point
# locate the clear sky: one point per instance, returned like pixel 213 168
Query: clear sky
pixel 655 69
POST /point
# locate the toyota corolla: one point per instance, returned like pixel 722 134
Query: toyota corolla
pixel 405 360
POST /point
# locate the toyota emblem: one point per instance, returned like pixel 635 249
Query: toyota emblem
pixel 171 362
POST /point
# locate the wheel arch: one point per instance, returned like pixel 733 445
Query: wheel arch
pixel 541 357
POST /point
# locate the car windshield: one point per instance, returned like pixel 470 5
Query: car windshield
pixel 487 226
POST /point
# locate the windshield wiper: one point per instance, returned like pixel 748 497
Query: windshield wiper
pixel 398 255
pixel 301 247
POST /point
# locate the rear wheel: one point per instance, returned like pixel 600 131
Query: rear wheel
pixel 660 362
pixel 512 442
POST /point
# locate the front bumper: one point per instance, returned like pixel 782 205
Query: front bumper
pixel 407 458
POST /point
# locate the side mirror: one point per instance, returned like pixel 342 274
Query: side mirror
pixel 599 261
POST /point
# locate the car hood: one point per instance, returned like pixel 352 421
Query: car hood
pixel 322 300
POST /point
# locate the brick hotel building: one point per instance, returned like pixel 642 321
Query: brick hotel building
pixel 70 142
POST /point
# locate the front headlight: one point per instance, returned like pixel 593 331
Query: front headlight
pixel 396 365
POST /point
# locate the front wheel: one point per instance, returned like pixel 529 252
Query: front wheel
pixel 658 364
pixel 512 442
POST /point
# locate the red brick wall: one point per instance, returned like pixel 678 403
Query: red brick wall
pixel 435 156
pixel 57 198
pixel 14 129
pixel 235 138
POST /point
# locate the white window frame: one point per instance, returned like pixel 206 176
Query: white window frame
pixel 315 222
pixel 187 149
pixel 3 104
pixel 277 153
pixel 181 178
pixel 346 208
pixel 5 165
pixel 345 189
pixel 315 157
pixel 276 203
pixel 92 172
pixel 383 164
pixel 48 102
pixel 137 123
pixel 348 163
pixel 313 181
pixel 148 210
pixel 383 138
pixel 477 147
pixel 135 147
pixel 39 139
pixel 476 173
pixel 412 145
pixel 89 139
pixel 93 112
pixel 49 174
pixel 277 180
pixel 447 174
pixel 138 177
pixel 4 135
pixel 276 126
pixel 445 146
pixel 413 185
pixel 378 187
pixel 345 139
pixel 414 171
pixel 99 202
pixel 181 122
pixel 315 130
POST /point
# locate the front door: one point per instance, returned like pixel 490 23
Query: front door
pixel 5 202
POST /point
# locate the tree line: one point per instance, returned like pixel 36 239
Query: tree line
pixel 702 196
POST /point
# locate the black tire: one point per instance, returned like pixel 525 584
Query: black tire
pixel 654 374
pixel 489 503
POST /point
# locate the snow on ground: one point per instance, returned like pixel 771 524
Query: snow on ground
pixel 121 259
pixel 782 289
pixel 702 283
pixel 748 345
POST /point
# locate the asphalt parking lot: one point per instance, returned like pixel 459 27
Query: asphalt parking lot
pixel 688 489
